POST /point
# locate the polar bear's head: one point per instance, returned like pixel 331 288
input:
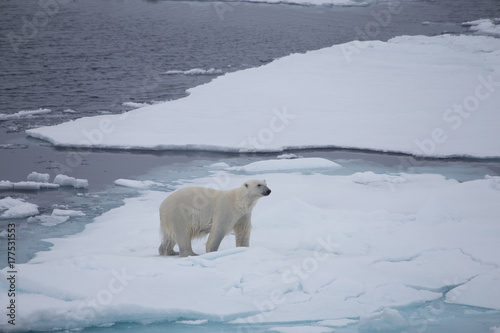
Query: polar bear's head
pixel 257 188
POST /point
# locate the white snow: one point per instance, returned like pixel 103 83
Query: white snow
pixel 327 250
pixel 64 180
pixel 432 96
pixel 24 114
pixel 11 208
pixel 485 26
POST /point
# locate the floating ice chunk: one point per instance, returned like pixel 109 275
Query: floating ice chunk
pixel 135 104
pixel 219 165
pixel 140 105
pixel 139 184
pixel 287 165
pixel 34 186
pixel 193 322
pixel 387 320
pixel 26 185
pixel 6 185
pixel 48 220
pixel 24 114
pixel 300 329
pixel 287 156
pixel 495 329
pixel 342 3
pixel 12 146
pixel 494 181
pixel 39 177
pixel 64 180
pixel 16 208
pixel 67 212
pixel 196 71
pixel 484 26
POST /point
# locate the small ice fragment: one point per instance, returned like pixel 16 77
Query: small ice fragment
pixel 64 180
pixel 383 321
pixel 48 220
pixel 287 156
pixel 67 212
pixel 139 184
pixel 16 208
pixel 39 177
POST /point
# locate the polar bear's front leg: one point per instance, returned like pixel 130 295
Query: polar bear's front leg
pixel 242 230
pixel 222 223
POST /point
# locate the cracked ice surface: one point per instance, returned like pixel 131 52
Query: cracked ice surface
pixel 326 249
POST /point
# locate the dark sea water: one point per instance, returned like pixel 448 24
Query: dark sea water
pixel 81 58
pixel 88 57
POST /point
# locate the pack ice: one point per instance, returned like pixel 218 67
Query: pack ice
pixel 327 250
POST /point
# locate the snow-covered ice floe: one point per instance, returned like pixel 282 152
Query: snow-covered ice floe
pixel 327 250
pixel 430 96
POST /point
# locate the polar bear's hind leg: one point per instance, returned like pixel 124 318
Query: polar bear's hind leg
pixel 167 245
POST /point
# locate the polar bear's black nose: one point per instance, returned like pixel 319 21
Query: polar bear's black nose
pixel 267 192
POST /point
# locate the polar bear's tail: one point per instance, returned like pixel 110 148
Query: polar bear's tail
pixel 167 244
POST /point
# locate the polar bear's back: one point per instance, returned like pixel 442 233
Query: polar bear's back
pixel 191 207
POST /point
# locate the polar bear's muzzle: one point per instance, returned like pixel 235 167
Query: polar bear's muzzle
pixel 266 192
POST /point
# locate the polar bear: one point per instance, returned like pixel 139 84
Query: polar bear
pixel 194 212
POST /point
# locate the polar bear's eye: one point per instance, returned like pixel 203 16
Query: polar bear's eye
pixel 258 185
